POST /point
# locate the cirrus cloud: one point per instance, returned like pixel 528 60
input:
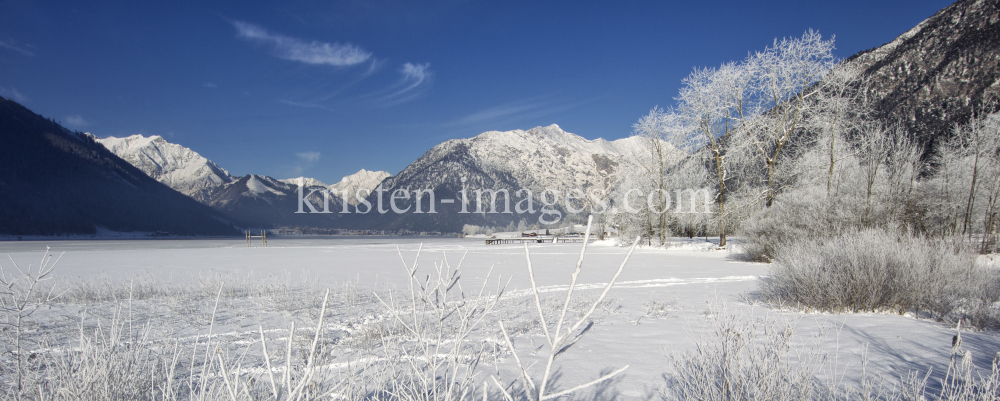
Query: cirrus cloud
pixel 13 94
pixel 289 48
pixel 11 45
pixel 76 121
pixel 305 161
pixel 415 80
pixel 308 157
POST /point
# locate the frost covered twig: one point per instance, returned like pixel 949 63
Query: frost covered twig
pixel 559 340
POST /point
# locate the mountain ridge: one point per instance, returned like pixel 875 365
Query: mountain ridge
pixel 54 181
pixel 938 73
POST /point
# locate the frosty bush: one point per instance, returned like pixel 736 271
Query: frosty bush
pixel 795 216
pixel 470 229
pixel 743 359
pixel 881 271
pixel 746 357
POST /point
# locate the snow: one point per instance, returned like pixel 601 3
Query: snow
pixel 689 278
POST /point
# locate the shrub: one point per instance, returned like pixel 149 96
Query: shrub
pixel 744 359
pixel 804 214
pixel 879 271
pixel 749 357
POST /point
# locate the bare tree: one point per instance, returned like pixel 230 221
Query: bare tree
pixel 904 167
pixel 873 149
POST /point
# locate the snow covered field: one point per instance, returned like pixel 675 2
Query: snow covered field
pixel 662 304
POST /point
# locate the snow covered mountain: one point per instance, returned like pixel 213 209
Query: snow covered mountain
pixel 174 165
pixel 364 181
pixel 539 159
pixel 254 200
pixel 267 202
pixel 548 157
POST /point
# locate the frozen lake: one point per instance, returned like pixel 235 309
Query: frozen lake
pixel 682 281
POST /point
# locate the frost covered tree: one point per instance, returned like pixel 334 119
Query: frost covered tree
pixel 470 229
pixel 840 105
pixel 781 80
pixel 687 179
pixel 658 129
pixel 711 105
pixel 964 189
pixel 628 213
pixel 780 118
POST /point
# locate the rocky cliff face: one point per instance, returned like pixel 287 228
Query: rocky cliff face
pixel 940 72
pixel 174 165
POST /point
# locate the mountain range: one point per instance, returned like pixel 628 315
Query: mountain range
pixel 537 159
pixel 174 165
pixel 254 200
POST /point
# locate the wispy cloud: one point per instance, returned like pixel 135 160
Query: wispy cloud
pixel 76 121
pixel 514 112
pixel 306 105
pixel 414 81
pixel 289 48
pixel 414 75
pixel 306 160
pixel 10 45
pixel 13 94
pixel 373 67
pixel 318 96
pixel 308 157
pixel 210 85
pixel 500 112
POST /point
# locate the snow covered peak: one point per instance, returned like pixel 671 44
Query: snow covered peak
pixel 305 181
pixel 174 165
pixel 259 185
pixel 560 141
pixel 363 180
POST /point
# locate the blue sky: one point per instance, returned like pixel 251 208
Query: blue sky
pixel 324 89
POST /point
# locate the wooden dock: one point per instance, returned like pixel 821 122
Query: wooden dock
pixel 262 236
pixel 535 240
